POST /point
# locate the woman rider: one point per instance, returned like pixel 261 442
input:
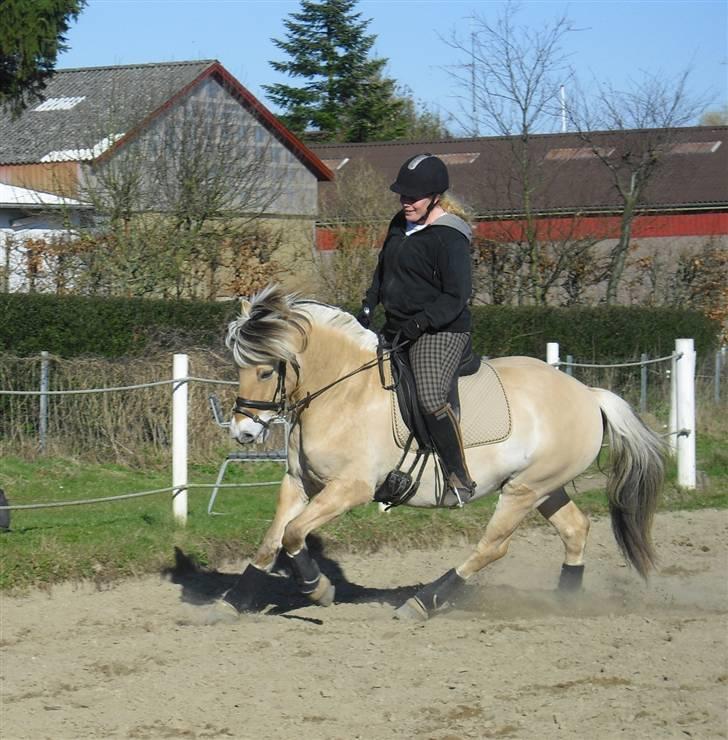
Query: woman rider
pixel 423 279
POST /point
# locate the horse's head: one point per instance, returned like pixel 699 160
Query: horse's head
pixel 265 340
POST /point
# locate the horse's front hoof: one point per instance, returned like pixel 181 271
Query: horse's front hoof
pixel 222 612
pixel 413 610
pixel 324 593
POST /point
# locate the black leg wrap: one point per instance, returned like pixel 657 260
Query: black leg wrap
pixel 571 578
pixel 556 500
pixel 248 593
pixel 435 595
pixel 306 572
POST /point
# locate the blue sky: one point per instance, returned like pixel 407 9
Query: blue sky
pixel 617 38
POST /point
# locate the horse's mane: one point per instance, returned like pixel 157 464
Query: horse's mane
pixel 274 325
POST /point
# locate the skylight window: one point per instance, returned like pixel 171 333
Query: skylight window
pixel 73 155
pixel 695 147
pixel 59 104
pixel 459 157
pixel 582 152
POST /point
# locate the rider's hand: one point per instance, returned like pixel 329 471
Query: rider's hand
pixel 364 317
pixel 412 330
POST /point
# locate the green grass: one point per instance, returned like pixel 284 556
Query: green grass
pixel 108 541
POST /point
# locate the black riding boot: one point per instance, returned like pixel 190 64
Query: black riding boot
pixel 445 432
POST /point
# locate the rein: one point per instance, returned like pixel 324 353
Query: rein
pixel 282 408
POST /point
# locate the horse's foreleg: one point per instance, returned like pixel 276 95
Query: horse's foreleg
pixel 514 504
pixel 335 499
pixel 247 592
pixel 573 528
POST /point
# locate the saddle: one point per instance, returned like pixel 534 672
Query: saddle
pixel 403 384
pixel 399 486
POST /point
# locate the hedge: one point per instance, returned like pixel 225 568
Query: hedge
pixel 69 326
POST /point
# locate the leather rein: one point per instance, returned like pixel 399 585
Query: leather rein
pixel 279 403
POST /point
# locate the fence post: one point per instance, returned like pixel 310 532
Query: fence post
pixel 180 367
pixel 552 354
pixel 570 365
pixel 43 409
pixel 672 425
pixel 686 470
pixel 643 382
pixel 716 376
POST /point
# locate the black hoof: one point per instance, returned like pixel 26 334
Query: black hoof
pixel 249 592
pixel 571 578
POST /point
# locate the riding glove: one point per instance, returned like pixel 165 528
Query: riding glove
pixel 412 330
pixel 364 317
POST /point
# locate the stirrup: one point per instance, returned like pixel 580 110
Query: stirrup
pixel 456 494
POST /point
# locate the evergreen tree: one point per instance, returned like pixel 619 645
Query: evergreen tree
pixel 346 95
pixel 31 36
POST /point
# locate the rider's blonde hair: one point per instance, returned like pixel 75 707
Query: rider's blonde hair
pixel 452 205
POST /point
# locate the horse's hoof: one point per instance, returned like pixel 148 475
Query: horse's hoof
pixel 222 612
pixel 324 593
pixel 412 609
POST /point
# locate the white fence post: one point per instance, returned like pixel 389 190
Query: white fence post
pixel 672 424
pixel 685 384
pixel 43 401
pixel 552 354
pixel 180 367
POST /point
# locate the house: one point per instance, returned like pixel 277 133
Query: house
pixel 141 128
pixel 573 195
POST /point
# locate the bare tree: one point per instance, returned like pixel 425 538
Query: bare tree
pixel 355 211
pixel 655 105
pixel 179 208
pixel 510 78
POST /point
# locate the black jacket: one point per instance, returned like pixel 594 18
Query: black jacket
pixel 426 275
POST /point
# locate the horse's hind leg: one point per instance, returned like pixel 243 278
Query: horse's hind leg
pixel 573 528
pixel 515 502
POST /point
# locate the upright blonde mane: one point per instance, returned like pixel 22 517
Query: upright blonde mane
pixel 275 326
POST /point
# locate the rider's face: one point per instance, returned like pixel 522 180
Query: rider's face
pixel 415 209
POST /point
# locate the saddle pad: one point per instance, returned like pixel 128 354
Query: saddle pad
pixel 485 413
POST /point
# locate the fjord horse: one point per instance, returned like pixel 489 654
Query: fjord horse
pixel 316 365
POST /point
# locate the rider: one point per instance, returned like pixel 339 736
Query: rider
pixel 423 279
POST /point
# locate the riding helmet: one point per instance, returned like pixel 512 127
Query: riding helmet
pixel 421 175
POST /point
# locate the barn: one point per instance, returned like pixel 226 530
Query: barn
pixel 102 128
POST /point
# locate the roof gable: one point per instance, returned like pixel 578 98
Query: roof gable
pixel 80 107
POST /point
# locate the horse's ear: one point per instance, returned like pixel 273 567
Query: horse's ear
pixel 245 305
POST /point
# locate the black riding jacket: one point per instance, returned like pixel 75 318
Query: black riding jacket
pixel 426 275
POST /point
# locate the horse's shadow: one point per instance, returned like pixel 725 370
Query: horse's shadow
pixel 202 586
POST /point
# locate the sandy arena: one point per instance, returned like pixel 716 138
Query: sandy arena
pixel 139 660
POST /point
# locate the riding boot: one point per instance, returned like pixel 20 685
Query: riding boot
pixel 445 433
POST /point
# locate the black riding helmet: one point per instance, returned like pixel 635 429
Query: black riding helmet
pixel 421 175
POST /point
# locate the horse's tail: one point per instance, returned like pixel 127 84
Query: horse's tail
pixel 635 479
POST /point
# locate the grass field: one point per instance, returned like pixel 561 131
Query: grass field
pixel 107 541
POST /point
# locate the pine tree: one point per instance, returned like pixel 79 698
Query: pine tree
pixel 31 36
pixel 346 95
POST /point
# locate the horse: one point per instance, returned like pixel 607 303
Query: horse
pixel 317 366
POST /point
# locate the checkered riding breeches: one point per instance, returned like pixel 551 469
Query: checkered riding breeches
pixel 435 359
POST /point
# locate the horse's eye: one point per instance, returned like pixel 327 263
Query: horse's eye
pixel 265 374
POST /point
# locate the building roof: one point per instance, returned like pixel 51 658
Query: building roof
pixel 12 196
pixel 75 100
pixel 567 177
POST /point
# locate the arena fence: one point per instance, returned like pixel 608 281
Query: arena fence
pixel 681 430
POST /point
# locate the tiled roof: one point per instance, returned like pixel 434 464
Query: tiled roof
pixel 79 101
pixel 56 126
pixel 567 176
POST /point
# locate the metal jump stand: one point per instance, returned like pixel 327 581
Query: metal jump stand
pixel 279 455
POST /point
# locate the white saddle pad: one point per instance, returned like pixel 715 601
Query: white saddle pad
pixel 485 414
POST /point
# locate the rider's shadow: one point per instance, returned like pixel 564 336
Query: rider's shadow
pixel 204 586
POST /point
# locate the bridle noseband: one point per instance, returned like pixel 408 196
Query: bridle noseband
pixel 277 403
